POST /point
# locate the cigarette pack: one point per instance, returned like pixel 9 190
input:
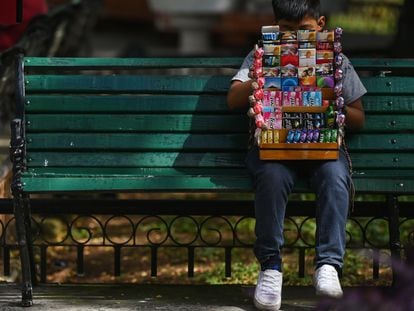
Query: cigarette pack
pixel 307 57
pixel 307 76
pixel 306 35
pixel 272 48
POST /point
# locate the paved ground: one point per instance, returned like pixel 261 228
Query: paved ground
pixel 150 297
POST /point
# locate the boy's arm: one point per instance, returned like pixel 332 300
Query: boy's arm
pixel 238 95
pixel 355 116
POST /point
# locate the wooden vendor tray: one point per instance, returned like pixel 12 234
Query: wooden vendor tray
pixel 298 151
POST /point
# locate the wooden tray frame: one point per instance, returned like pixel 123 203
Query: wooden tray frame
pixel 299 151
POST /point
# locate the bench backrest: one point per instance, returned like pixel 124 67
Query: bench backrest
pixel 150 117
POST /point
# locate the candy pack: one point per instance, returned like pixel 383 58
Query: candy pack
pixel 297 98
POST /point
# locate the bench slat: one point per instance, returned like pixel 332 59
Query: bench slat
pixel 389 85
pixel 97 172
pixel 388 104
pixel 156 84
pixel 89 123
pixel 175 103
pixel 77 141
pixel 126 104
pixel 176 84
pixel 131 63
pixel 165 183
pixel 143 159
pixel 190 183
pixel 86 172
pixel 183 159
pixel 231 62
pixel 137 141
pixel 137 123
pixel 385 63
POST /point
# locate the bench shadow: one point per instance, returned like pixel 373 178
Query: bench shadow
pixel 198 150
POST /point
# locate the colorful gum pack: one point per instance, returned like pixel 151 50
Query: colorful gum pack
pixel 312 98
pixel 292 98
pixel 272 114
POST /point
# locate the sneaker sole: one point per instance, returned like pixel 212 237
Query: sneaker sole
pixel 323 294
pixel 260 306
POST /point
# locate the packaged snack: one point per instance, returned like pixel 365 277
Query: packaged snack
pixel 328 136
pixel 303 136
pixel 272 98
pixel 330 116
pixel 296 136
pixel 316 135
pixel 276 138
pixel 309 136
pixel 334 136
pixel 290 136
pixel 264 137
pixel 292 120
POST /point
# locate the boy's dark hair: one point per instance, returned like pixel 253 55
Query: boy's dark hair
pixel 296 10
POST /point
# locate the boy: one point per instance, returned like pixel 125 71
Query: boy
pixel 274 180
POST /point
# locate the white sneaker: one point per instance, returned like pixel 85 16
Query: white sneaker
pixel 268 293
pixel 326 282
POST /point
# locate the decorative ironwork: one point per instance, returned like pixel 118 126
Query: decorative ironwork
pixel 191 232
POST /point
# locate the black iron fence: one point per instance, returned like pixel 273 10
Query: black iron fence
pixel 159 225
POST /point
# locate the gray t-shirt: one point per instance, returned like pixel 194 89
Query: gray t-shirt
pixel 352 85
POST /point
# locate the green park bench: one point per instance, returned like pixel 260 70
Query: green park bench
pixel 94 125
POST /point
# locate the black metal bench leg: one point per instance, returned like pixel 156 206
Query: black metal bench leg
pixel 27 296
pixel 29 239
pixel 395 244
pixel 17 153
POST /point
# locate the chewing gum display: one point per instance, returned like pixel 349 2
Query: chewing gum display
pixel 292 98
pixel 297 93
pixel 270 137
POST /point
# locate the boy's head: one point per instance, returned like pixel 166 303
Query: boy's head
pixel 298 14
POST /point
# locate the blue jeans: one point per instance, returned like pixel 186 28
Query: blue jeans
pixel 274 181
